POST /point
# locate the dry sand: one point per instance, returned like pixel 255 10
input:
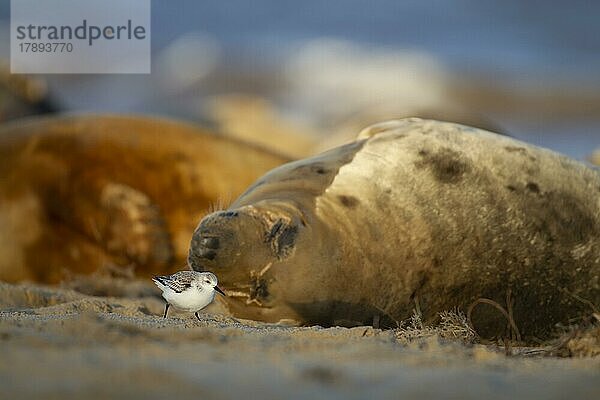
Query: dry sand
pixel 61 343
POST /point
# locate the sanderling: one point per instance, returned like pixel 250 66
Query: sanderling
pixel 188 290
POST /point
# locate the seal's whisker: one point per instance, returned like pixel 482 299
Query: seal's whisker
pixel 220 204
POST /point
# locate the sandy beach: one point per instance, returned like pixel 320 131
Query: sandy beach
pixel 60 343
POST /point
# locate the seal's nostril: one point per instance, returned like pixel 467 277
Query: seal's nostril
pixel 194 262
pixel 208 254
pixel 210 242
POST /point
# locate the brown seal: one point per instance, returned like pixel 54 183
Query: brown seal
pixel 78 192
pixel 414 214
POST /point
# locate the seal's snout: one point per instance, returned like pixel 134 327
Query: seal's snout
pixel 223 240
pixel 206 246
pixel 203 248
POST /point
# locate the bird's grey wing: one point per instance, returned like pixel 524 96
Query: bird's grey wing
pixel 177 282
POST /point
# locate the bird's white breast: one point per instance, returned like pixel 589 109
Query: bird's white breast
pixel 190 299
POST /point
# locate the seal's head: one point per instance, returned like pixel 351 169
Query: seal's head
pixel 237 241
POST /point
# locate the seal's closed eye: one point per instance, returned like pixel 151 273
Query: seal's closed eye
pixel 282 237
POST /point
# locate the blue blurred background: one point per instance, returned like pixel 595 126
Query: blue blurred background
pixel 322 68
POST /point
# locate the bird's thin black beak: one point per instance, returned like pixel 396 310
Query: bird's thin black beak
pixel 220 291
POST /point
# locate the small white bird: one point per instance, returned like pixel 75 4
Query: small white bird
pixel 188 290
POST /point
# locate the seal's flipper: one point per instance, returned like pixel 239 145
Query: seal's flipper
pixel 135 225
pixel 121 219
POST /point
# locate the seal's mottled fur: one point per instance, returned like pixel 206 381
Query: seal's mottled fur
pixel 414 214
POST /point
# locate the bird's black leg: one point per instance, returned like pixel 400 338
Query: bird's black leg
pixel 196 314
pixel 166 309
